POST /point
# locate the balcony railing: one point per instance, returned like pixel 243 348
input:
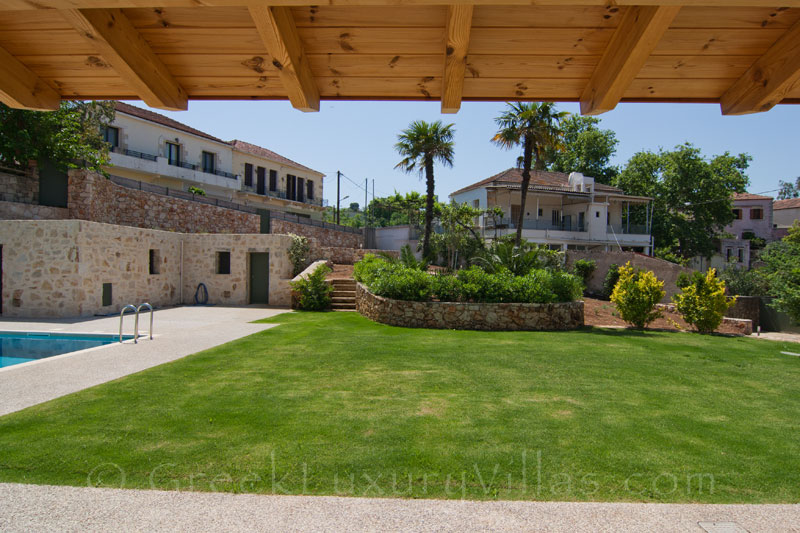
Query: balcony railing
pixel 283 196
pixel 134 153
pixel 623 229
pixel 535 224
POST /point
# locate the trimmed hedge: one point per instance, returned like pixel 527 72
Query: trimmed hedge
pixel 393 280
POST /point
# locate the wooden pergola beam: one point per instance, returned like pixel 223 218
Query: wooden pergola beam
pixel 22 89
pixel 459 24
pixel 21 5
pixel 637 35
pixel 279 33
pixel 129 55
pixel 768 80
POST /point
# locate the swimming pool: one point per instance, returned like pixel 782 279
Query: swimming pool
pixel 21 347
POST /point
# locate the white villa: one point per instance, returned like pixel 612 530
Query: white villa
pixel 564 211
pixel 152 148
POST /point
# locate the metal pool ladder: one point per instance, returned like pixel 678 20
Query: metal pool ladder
pixel 136 320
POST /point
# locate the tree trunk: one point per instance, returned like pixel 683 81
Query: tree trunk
pixel 426 243
pixel 526 181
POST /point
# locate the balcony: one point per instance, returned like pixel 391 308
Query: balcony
pixel 534 224
pixel 161 166
pixel 623 229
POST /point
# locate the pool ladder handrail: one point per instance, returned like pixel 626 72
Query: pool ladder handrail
pixel 136 321
pixel 136 310
pixel 122 314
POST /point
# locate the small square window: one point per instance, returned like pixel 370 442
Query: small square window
pixel 111 136
pixel 597 214
pixel 737 214
pixel 476 204
pixel 541 211
pixel 223 262
pixel 155 262
pixel 756 214
pixel 208 162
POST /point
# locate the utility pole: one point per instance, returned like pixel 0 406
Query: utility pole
pixel 366 188
pixel 338 184
pixel 373 189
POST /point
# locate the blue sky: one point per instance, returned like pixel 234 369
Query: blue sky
pixel 358 138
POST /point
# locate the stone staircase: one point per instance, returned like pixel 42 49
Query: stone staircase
pixel 344 295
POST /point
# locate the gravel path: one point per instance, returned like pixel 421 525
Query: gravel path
pixel 178 332
pixel 46 508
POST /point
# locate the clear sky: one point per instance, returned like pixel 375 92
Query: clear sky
pixel 358 138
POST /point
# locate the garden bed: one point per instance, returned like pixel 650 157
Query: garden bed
pixel 473 316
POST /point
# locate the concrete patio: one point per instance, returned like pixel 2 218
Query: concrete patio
pixel 178 332
pixel 48 508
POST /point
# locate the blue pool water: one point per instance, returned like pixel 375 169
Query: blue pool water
pixel 21 347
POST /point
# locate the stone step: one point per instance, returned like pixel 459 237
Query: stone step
pixel 343 300
pixel 340 306
pixel 350 285
pixel 344 294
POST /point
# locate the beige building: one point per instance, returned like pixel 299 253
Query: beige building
pixel 566 211
pixel 785 212
pixel 152 148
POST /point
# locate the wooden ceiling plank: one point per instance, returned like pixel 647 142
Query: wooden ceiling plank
pixel 634 40
pixel 129 55
pixel 768 80
pixel 459 23
pixel 279 33
pixel 22 89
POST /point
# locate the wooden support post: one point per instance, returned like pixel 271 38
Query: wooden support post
pixel 459 24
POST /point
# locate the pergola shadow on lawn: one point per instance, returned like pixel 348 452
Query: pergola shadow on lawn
pixel 331 403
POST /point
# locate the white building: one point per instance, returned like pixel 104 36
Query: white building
pixel 152 148
pixel 566 211
pixel 785 212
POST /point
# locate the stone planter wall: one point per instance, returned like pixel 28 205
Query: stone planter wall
pixel 475 316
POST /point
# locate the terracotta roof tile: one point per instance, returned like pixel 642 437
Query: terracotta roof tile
pixel 267 154
pixel 144 114
pixel 790 203
pixel 538 178
pixel 748 196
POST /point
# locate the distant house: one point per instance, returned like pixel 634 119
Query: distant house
pixel 563 211
pixel 152 148
pixel 785 212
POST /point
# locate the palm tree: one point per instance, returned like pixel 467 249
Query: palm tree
pixel 422 144
pixel 537 127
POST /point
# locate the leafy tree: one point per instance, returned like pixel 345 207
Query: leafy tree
pixel 692 196
pixel 781 271
pixel 354 206
pixel 789 189
pixel 587 149
pixel 397 209
pixel 458 242
pixel 69 137
pixel 535 126
pixel 422 144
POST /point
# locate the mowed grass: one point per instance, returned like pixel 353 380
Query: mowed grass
pixel 332 403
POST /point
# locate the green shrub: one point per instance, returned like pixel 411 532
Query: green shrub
pixel 702 302
pixel 636 295
pixel 446 287
pixel 298 253
pixel 743 282
pixel 584 268
pixel 401 283
pixel 566 287
pixel 314 293
pixel 610 281
pixel 364 271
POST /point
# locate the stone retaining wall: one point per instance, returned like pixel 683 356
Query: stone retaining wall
pixel 20 186
pixel 475 316
pixel 748 307
pixel 319 237
pixel 664 270
pixel 20 211
pixel 345 256
pixel 94 197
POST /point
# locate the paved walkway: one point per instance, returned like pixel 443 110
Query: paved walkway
pixel 46 508
pixel 178 332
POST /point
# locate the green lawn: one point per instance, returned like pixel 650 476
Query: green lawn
pixel 334 404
